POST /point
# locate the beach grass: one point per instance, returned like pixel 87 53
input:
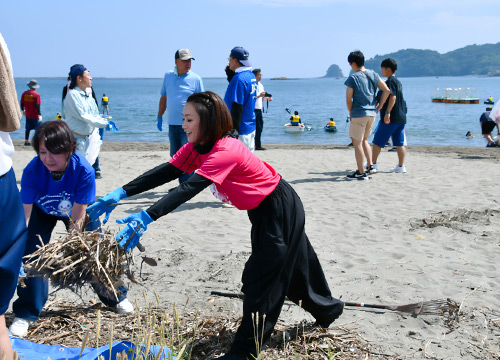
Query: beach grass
pixel 188 335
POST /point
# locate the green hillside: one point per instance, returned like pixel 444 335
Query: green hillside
pixel 470 60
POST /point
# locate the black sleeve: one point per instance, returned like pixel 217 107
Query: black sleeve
pixel 38 109
pixel 22 106
pixel 95 98
pixel 160 175
pixel 182 193
pixel 236 114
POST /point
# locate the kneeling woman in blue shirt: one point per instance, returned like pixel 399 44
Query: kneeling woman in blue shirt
pixel 57 184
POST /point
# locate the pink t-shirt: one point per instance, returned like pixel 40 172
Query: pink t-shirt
pixel 239 177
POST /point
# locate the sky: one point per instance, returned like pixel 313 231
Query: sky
pixel 292 38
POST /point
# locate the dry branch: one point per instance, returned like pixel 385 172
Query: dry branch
pixel 80 258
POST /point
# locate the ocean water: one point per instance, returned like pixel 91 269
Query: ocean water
pixel 134 106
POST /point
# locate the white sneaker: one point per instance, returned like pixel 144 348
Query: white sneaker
pixel 227 206
pixel 373 169
pixel 124 307
pixel 19 327
pixel 398 169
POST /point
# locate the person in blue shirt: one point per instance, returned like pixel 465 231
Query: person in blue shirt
pixel 361 92
pixel 240 96
pixel 178 85
pixel 57 184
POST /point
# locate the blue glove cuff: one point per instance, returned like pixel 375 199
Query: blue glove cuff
pixel 144 216
pixel 118 194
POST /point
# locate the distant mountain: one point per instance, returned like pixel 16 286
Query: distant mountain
pixel 469 60
pixel 334 71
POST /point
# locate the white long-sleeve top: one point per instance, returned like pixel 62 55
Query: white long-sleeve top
pixel 81 114
pixel 6 152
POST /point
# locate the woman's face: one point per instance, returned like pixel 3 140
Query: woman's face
pixel 191 124
pixel 84 81
pixel 53 162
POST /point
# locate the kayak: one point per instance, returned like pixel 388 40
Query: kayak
pixel 489 102
pixel 332 129
pixel 289 128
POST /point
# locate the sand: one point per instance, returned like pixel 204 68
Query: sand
pixel 432 233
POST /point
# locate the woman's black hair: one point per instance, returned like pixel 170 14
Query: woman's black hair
pixel 57 137
pixel 215 118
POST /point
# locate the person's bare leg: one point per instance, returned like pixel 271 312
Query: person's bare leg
pixel 401 155
pixel 367 150
pixel 358 153
pixel 488 138
pixel 375 153
pixel 5 346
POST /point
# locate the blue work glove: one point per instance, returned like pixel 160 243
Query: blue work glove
pixel 159 123
pixel 112 126
pixel 106 204
pixel 136 225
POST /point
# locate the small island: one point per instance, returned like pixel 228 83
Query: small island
pixel 334 71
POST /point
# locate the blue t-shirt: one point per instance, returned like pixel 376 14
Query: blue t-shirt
pixel 364 84
pixel 243 90
pixel 57 197
pixel 177 89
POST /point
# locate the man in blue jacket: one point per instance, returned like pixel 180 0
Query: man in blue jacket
pixel 241 95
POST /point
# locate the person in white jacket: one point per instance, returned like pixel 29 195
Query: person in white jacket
pixel 80 111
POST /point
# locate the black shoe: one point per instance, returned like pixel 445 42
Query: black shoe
pixel 98 175
pixel 372 169
pixel 260 148
pixel 393 149
pixel 357 176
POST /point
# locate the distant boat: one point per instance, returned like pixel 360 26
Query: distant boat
pixel 289 128
pixel 330 128
pixel 455 96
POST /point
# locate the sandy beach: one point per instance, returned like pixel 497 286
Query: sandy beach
pixel 432 233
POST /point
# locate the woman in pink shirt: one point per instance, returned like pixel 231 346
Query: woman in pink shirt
pixel 282 263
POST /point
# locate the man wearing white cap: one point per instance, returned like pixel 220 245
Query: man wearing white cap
pixel 178 85
pixel 30 105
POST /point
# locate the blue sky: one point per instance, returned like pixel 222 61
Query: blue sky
pixel 284 37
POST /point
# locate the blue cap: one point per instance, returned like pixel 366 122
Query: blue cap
pixel 75 71
pixel 241 55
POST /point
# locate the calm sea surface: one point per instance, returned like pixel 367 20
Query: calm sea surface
pixel 134 106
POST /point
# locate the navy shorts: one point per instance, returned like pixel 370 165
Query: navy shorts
pixel 487 126
pixel 385 131
pixel 31 124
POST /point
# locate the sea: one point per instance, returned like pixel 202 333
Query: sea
pixel 133 104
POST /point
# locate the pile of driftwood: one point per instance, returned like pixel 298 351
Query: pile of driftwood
pixel 80 258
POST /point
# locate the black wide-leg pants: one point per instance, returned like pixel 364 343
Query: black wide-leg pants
pixel 282 263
